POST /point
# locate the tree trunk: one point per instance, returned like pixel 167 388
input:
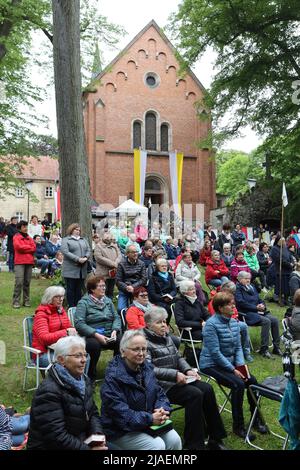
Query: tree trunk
pixel 74 178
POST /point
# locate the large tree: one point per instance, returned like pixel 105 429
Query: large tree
pixel 257 45
pixel 74 179
pixel 18 96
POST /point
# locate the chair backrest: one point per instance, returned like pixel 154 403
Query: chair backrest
pixel 71 313
pixel 27 334
pixel 123 318
pixel 284 324
pixel 172 307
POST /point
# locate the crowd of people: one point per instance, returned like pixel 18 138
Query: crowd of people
pixel 154 279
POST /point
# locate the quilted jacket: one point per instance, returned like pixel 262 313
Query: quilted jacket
pixel 221 344
pixel 48 326
pixel 128 398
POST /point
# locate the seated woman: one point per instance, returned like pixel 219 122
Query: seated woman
pixel 132 400
pixel 135 313
pixel 221 354
pixel 161 288
pixel 294 282
pixel 216 270
pixel 63 412
pixel 294 320
pixel 172 372
pixel 245 339
pixel 188 271
pixel 226 255
pixel 238 264
pixel 50 322
pixel 189 312
pixel 97 320
pixel 205 253
pixel 13 428
pixel 248 302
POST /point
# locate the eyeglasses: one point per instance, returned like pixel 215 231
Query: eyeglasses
pixel 102 286
pixel 138 350
pixel 143 295
pixel 79 355
pixel 61 297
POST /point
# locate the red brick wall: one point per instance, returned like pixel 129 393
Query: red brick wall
pixel 126 98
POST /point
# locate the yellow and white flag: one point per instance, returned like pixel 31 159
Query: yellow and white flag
pixel 140 163
pixel 176 165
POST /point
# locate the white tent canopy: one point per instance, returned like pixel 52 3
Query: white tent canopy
pixel 129 207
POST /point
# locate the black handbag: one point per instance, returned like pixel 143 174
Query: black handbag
pixel 277 383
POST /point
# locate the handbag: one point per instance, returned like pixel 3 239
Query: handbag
pixel 277 383
pixel 155 431
pixel 112 273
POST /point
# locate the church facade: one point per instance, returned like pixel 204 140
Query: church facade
pixel 139 101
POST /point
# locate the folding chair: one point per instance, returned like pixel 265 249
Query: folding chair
pixel 190 342
pixel 242 318
pixel 71 313
pixel 284 323
pixel 123 319
pixel 226 394
pixel 258 392
pixel 30 363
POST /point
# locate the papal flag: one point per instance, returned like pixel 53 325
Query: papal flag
pixel 176 165
pixel 140 163
pixel 284 196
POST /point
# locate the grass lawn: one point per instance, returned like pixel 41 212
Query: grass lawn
pixel 12 373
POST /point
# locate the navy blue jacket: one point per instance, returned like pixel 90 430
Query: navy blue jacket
pixel 129 398
pixel 246 302
pixel 40 251
pixel 221 344
pixel 158 286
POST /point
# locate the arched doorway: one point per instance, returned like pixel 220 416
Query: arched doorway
pixel 156 190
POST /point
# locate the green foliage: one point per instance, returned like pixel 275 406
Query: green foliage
pixel 233 169
pixel 256 45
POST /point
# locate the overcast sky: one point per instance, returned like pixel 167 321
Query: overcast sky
pixel 133 15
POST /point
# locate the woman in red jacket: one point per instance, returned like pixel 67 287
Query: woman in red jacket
pixel 135 313
pixel 50 322
pixel 216 270
pixel 205 253
pixel 24 247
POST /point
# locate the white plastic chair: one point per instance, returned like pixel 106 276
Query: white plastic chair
pixel 30 363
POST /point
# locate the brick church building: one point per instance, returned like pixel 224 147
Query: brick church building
pixel 139 101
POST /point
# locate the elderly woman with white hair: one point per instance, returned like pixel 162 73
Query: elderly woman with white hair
pixel 183 386
pixel 256 313
pixel 50 322
pixel 189 312
pixel 133 401
pixel 63 413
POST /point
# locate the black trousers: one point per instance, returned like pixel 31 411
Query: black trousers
pixel 237 386
pixel 110 284
pixel 94 348
pixel 202 416
pixel 74 290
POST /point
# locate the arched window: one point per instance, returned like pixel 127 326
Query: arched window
pixel 150 131
pixel 137 135
pixel 152 184
pixel 164 138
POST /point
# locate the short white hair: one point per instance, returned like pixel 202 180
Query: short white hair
pixel 51 292
pixel 185 286
pixel 64 345
pixel 214 252
pixel 243 275
pixel 226 245
pixel 155 314
pixel 128 336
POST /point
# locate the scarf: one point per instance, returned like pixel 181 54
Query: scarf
pixel 226 235
pixel 165 276
pixel 75 238
pixel 192 299
pixel 144 308
pixel 66 377
pixel 97 301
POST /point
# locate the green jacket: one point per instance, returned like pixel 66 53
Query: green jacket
pixel 89 316
pixel 251 260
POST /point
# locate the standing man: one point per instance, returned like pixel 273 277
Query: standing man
pixel 131 273
pixel 46 227
pixel 11 230
pixel 24 248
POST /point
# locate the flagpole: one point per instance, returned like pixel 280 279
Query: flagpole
pixel 280 261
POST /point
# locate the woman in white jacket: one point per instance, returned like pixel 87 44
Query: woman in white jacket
pixel 188 271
